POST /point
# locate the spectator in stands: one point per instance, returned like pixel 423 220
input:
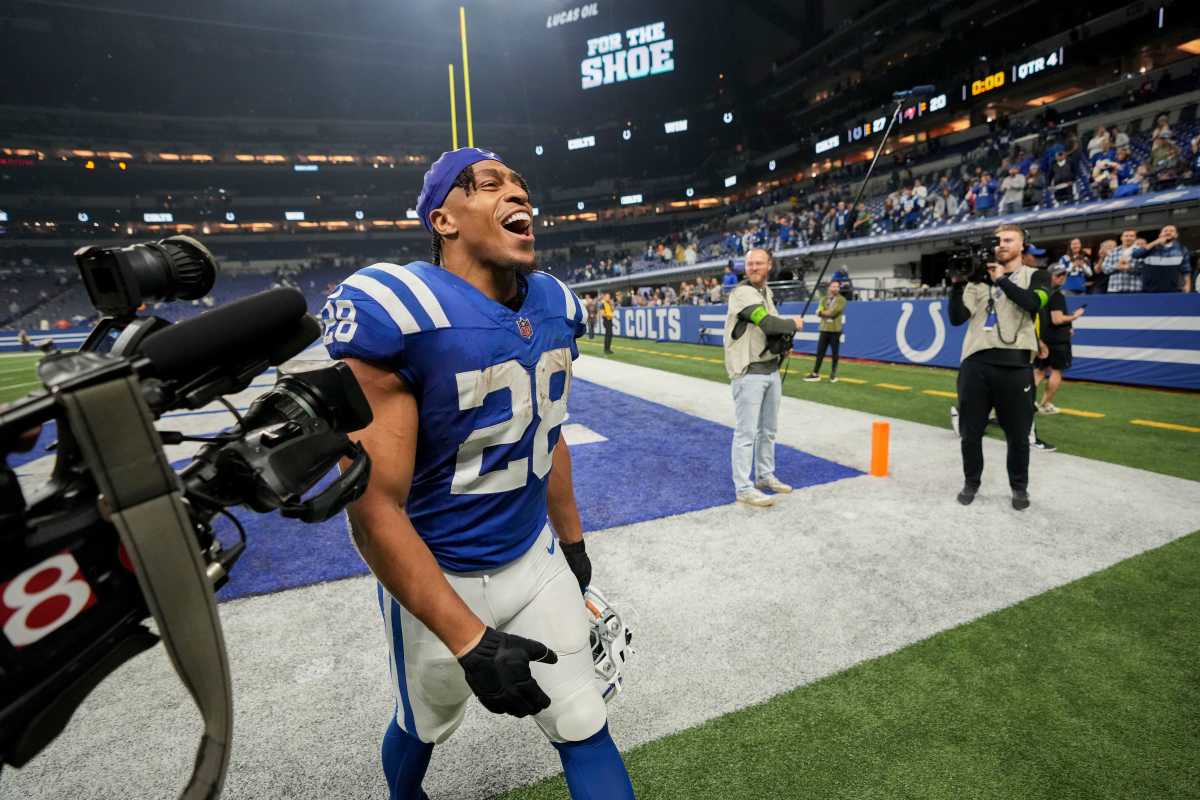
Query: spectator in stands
pixel 841 219
pixel 1119 137
pixel 1013 189
pixel 1077 269
pixel 689 254
pixel 729 279
pixel 1165 161
pixel 589 304
pixel 1162 128
pixel 909 212
pixel 1099 282
pixel 1166 263
pixel 1105 172
pixel 1123 269
pixel 1099 144
pixel 889 215
pixel 1054 340
pixel 985 195
pixel 712 292
pixel 1035 186
pixel 1062 179
pixel 862 221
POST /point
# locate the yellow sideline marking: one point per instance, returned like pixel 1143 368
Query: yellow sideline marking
pixel 1074 412
pixel 895 387
pixel 1166 426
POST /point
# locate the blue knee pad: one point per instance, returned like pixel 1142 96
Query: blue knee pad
pixel 594 769
pixel 405 759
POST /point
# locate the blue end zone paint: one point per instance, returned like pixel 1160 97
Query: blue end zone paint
pixel 657 462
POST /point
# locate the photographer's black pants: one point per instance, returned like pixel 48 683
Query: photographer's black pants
pixel 608 326
pixel 825 341
pixel 982 387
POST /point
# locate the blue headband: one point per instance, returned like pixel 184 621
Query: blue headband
pixel 439 180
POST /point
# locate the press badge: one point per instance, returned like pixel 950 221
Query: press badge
pixel 990 322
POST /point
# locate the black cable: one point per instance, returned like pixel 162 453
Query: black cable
pixel 236 415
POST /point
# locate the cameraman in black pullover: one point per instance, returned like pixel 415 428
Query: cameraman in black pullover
pixel 997 357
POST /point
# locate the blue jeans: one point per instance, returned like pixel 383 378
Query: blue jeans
pixel 756 406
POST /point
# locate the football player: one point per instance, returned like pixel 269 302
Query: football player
pixel 469 522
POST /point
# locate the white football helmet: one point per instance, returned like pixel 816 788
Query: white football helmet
pixel 610 637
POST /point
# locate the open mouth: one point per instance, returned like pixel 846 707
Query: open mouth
pixel 519 223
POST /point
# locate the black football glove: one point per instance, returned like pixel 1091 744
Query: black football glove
pixel 578 561
pixel 498 673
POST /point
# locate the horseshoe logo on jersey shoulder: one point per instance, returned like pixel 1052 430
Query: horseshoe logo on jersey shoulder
pixel 939 333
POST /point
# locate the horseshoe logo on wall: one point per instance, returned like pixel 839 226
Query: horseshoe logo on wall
pixel 939 333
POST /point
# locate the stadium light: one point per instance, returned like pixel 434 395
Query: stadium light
pixel 771 165
pixel 579 205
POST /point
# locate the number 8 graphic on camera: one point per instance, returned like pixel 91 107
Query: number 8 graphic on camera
pixel 43 598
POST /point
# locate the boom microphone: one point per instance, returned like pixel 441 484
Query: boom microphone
pixel 914 92
pixel 261 326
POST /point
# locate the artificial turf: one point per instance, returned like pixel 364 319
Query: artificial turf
pixel 1091 690
pixel 1112 438
pixel 18 376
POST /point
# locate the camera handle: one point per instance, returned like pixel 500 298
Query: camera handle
pixel 122 448
pixel 342 491
pixel 857 198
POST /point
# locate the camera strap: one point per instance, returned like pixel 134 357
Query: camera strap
pixel 123 450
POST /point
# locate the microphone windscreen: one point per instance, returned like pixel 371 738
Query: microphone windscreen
pixel 304 333
pixel 245 330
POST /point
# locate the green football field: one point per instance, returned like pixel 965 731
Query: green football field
pixel 1091 690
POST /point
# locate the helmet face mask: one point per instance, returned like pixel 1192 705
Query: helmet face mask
pixel 610 639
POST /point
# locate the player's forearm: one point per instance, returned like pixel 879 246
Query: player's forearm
pixel 560 496
pixel 407 569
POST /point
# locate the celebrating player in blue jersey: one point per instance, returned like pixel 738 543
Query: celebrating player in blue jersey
pixel 466 362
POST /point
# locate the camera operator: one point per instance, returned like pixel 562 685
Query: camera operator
pixel 997 356
pixel 757 340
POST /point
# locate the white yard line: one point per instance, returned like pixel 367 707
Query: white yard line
pixel 734 605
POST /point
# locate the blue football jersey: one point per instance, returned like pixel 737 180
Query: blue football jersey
pixel 491 386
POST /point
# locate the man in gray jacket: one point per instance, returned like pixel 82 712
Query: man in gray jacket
pixel 757 340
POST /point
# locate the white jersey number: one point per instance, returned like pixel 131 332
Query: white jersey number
pixel 474 387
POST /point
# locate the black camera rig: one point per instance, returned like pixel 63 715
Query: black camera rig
pixel 115 535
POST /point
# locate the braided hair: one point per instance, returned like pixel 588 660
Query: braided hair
pixel 466 182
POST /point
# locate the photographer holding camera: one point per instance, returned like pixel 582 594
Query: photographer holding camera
pixel 757 341
pixel 998 301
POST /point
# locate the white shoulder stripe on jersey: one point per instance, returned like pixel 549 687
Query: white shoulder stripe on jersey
pixel 573 310
pixel 387 300
pixel 429 303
